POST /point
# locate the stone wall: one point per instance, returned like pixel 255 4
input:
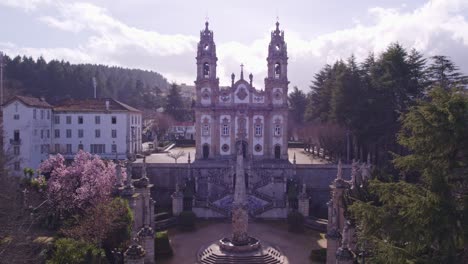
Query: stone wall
pixel 318 178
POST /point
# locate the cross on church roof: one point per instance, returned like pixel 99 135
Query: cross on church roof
pixel 242 71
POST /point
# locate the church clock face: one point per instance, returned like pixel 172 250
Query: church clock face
pixel 206 93
pixel 205 96
pixel 277 96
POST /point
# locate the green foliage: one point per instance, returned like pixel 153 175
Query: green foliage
pixel 297 105
pixel 76 252
pixel 368 99
pixel 162 246
pixel 295 222
pixel 37 183
pixel 444 73
pixel 58 79
pixel 421 218
pixel 28 172
pixel 318 255
pixel 108 224
pixel 176 106
pixel 121 232
pixel 186 220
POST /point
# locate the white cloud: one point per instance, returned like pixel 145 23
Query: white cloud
pixel 437 27
pixel 111 35
pixel 27 5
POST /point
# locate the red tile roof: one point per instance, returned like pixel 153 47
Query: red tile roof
pixel 93 105
pixel 29 101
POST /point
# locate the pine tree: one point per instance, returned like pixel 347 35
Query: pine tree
pixel 444 73
pixel 175 103
pixel 421 217
pixel 297 104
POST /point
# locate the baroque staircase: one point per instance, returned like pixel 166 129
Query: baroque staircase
pixel 267 255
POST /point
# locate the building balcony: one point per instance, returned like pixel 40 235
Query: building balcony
pixel 15 141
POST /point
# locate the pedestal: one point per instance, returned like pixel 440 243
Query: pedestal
pixel 146 236
pixel 303 206
pixel 177 203
pixel 134 255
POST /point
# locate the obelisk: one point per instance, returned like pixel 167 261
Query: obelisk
pixel 240 217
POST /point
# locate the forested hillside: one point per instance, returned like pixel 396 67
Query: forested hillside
pixel 56 80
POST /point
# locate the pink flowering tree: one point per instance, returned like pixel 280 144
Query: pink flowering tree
pixel 85 183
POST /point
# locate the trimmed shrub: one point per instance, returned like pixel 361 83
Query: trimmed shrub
pixel 71 251
pixel 162 246
pixel 318 255
pixel 295 222
pixel 187 220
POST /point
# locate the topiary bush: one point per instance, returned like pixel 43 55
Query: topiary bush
pixel 186 220
pixel 318 255
pixel 295 222
pixel 162 246
pixel 70 251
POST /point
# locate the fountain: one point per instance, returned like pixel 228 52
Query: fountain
pixel 240 247
pixel 240 240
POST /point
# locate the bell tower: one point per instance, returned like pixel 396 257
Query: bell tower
pixel 277 58
pixel 206 56
pixel 276 88
pixel 207 89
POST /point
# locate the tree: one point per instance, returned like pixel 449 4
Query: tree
pixel 319 96
pixel 176 155
pixel 297 105
pixel 175 104
pixel 107 225
pixel 58 80
pixel 444 73
pixel 161 124
pixel 75 252
pixel 421 216
pixel 331 137
pixel 85 183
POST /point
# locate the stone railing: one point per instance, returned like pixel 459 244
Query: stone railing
pixel 263 196
pixel 212 206
pixel 263 209
pixel 218 209
pixel 271 205
pixel 263 182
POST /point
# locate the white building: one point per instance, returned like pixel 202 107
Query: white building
pixel 33 129
pixel 182 130
pixel 100 126
pixel 26 132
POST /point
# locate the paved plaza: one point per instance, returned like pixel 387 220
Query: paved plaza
pixel 301 156
pixel 296 247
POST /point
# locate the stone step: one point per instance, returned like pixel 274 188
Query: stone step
pixel 272 257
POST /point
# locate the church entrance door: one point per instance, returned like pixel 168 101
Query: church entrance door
pixel 277 152
pixel 242 144
pixel 206 151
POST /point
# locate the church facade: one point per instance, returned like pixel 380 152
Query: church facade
pixel 240 116
pixel 241 119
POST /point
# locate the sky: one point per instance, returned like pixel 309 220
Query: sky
pixel 162 36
